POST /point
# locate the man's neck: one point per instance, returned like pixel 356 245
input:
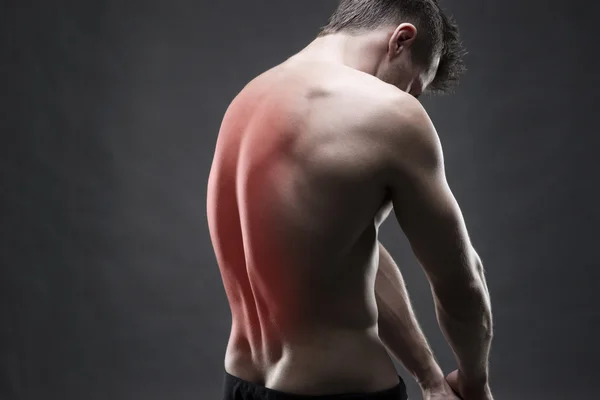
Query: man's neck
pixel 361 52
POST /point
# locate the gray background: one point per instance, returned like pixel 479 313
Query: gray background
pixel 110 110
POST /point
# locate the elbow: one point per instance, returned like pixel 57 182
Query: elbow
pixel 476 278
pixel 463 294
pixel 477 263
pixel 466 298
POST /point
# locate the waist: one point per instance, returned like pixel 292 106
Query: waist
pixel 327 361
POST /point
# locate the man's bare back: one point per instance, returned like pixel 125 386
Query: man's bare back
pixel 296 195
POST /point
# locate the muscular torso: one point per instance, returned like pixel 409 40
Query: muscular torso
pixel 294 203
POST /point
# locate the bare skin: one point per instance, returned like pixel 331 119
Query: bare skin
pixel 305 171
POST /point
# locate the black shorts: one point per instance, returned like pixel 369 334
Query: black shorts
pixel 239 389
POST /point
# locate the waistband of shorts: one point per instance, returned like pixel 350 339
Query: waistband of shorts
pixel 234 384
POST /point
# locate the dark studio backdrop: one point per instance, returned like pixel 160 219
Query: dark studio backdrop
pixel 110 110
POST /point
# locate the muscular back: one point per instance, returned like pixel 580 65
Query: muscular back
pixel 295 197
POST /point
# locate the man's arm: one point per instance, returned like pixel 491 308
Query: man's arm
pixel 398 326
pixel 433 223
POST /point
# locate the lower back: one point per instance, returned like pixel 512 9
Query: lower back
pixel 326 361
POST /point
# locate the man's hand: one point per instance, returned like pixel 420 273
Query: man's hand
pixel 466 390
pixel 441 392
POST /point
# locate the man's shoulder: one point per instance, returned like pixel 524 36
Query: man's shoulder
pixel 378 105
pixel 384 113
pixel 394 124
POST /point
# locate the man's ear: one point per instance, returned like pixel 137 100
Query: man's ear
pixel 402 38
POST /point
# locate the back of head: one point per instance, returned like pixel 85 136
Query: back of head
pixel 437 33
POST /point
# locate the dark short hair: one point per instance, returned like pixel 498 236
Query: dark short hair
pixel 438 33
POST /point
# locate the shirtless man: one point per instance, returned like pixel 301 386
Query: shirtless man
pixel 311 157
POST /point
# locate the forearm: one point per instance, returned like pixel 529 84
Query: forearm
pixel 398 326
pixel 465 317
